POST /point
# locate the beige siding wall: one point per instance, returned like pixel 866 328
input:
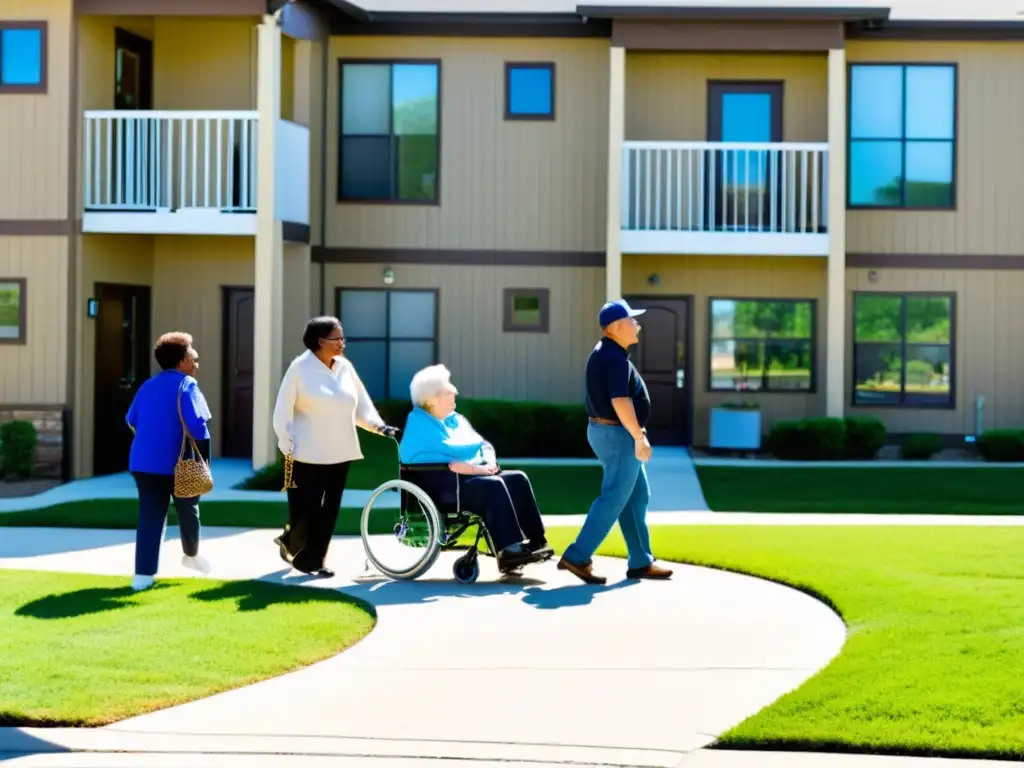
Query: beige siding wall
pixel 989 156
pixel 485 361
pixel 503 185
pixel 704 277
pixel 667 93
pixel 180 302
pixel 989 359
pixel 34 127
pixel 297 298
pixel 104 259
pixel 36 372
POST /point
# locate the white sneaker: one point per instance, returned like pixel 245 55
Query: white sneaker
pixel 141 582
pixel 197 563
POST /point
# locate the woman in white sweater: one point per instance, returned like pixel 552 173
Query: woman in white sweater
pixel 319 405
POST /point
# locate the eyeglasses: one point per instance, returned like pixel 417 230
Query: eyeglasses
pixel 335 338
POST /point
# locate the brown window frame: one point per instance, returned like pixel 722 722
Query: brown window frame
pixel 532 118
pixel 509 324
pixel 22 337
pixel 42 27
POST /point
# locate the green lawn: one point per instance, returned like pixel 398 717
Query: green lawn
pixel 86 650
pixel 869 490
pixel 934 658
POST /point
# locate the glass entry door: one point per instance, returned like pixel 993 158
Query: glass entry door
pixel 744 187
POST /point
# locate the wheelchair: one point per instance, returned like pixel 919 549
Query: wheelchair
pixel 422 525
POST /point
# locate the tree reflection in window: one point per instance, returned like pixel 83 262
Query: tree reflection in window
pixel 902 350
pixel 762 345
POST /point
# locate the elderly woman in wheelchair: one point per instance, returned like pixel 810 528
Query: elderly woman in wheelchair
pixel 450 476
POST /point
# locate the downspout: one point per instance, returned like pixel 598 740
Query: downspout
pixel 323 172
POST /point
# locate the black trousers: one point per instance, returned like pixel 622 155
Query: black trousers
pixel 506 503
pixel 313 509
pixel 156 492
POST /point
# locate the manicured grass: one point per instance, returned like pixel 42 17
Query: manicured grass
pixel 86 650
pixel 932 664
pixel 869 490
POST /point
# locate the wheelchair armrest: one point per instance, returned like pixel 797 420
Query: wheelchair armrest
pixel 425 467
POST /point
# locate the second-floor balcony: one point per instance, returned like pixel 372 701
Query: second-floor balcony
pixel 709 198
pixel 187 172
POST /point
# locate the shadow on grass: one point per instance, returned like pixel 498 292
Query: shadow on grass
pixel 81 602
pixel 260 595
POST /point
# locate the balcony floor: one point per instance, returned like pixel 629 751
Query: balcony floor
pixel 724 243
pixel 184 221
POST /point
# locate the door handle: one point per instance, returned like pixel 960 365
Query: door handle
pixel 680 378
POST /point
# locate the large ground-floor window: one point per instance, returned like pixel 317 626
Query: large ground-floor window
pixel 389 335
pixel 903 349
pixel 761 345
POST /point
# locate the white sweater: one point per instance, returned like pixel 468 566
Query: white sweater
pixel 318 409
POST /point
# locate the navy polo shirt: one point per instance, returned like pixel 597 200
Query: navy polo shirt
pixel 611 374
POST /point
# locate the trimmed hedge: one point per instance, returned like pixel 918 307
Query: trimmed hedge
pixel 827 439
pixel 921 446
pixel 1002 445
pixel 17 449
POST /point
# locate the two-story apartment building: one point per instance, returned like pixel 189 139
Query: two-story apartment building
pixel 815 201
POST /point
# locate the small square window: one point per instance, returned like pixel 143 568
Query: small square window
pixel 12 310
pixel 22 57
pixel 526 309
pixel 529 91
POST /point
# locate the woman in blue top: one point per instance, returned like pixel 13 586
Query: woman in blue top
pixel 436 434
pixel 153 417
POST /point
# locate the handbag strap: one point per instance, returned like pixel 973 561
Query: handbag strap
pixel 185 434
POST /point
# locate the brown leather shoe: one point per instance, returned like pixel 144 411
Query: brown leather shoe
pixel 652 571
pixel 582 572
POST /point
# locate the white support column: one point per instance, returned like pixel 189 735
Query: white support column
pixel 267 358
pixel 835 325
pixel 616 135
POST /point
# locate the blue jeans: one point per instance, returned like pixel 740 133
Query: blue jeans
pixel 624 497
pixel 156 492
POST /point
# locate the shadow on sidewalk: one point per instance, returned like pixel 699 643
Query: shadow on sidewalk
pixel 15 743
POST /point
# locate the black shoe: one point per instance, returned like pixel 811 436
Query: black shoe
pixel 325 573
pixel 511 560
pixel 283 550
pixel 541 550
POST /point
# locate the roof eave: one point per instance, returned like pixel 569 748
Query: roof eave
pixel 735 13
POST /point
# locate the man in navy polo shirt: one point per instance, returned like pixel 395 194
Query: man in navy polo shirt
pixel 618 406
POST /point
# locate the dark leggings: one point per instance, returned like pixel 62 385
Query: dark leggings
pixel 506 503
pixel 313 512
pixel 155 494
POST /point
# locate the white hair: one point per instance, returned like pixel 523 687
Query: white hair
pixel 429 382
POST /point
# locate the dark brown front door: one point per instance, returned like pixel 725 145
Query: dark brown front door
pixel 122 364
pixel 133 71
pixel 239 327
pixel 747 182
pixel 661 357
pixel 135 141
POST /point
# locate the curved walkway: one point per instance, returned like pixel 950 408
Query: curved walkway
pixel 540 669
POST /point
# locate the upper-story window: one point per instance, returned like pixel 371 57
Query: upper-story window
pixel 390 117
pixel 22 57
pixel 529 91
pixel 902 136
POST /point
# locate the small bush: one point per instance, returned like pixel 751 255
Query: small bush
pixel 17 449
pixel 269 477
pixel 1002 445
pixel 808 439
pixel 921 446
pixel 865 436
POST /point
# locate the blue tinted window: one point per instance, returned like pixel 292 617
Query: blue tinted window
pixel 902 136
pixel 531 90
pixel 21 56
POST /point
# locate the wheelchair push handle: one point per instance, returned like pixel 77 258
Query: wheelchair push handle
pixel 389 431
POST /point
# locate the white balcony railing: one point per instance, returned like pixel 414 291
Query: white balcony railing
pixel 673 192
pixel 170 160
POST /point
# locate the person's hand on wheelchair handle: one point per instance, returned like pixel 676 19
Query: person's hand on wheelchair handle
pixel 388 431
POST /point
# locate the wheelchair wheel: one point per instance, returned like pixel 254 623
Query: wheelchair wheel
pixel 466 569
pixel 401 544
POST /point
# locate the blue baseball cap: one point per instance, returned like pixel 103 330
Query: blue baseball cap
pixel 616 310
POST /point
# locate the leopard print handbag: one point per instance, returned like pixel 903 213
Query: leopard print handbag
pixel 192 476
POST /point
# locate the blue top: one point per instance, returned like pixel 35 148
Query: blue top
pixel 429 440
pixel 611 374
pixel 154 417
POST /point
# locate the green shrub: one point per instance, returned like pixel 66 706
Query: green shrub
pixel 921 446
pixel 17 449
pixel 1002 445
pixel 865 436
pixel 808 439
pixel 269 477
